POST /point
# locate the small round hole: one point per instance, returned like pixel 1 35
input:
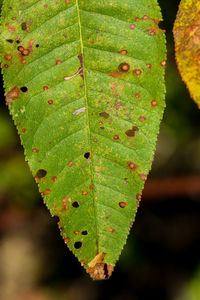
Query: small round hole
pixel 41 173
pixel 24 89
pixel 84 232
pixel 37 46
pixel 87 155
pixel 77 245
pixel 75 204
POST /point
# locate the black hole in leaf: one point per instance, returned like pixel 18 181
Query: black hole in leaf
pixel 17 41
pixel 77 245
pixel 9 41
pixel 37 46
pixel 24 89
pixel 24 26
pixel 106 271
pixel 41 173
pixel 75 204
pixel 87 155
pixel 84 232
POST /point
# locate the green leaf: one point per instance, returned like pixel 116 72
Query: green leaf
pixel 187 45
pixel 84 82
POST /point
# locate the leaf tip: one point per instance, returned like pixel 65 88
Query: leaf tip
pixel 99 269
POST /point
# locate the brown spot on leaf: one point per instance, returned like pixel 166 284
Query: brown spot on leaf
pixel 142 118
pixel 116 137
pixel 70 164
pixel 67 240
pixel 137 72
pixel 54 178
pixel 123 204
pixel 131 165
pixel 76 232
pixel 132 26
pixel 84 193
pixel 143 177
pixel 124 67
pixel 35 150
pixel 138 197
pixel 137 95
pixel 8 57
pixel 104 115
pixel 132 132
pixel 50 101
pixel 46 192
pixel 13 94
pixel 163 63
pixel 149 66
pixel 95 140
pixel 91 187
pixel 111 229
pixel 154 103
pixel 58 62
pixel 123 52
pixel 24 130
pixel 45 88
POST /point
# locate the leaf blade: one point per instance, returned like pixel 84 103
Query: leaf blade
pixel 186 36
pixel 88 87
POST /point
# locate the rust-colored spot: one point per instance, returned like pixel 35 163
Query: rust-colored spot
pixel 137 19
pixel 123 52
pixel 116 137
pixel 138 197
pixel 11 29
pixel 123 204
pixel 104 115
pixel 45 88
pixel 67 1
pixel 154 103
pixel 5 66
pixel 163 63
pixel 91 187
pixel 143 177
pixel 131 165
pixel 137 95
pixel 24 130
pixel 35 150
pixel 145 17
pixel 149 66
pixel 46 192
pixel 20 48
pixel 132 26
pixel 13 94
pixel 95 140
pixel 83 263
pixel 25 52
pixel 8 57
pixel 84 193
pixel 50 101
pixel 54 178
pixel 70 164
pixel 124 67
pixel 137 72
pixel 142 118
pixel 58 62
pixel 132 132
pixel 67 240
pixel 64 201
pixel 111 229
pixel 65 207
pixel 76 232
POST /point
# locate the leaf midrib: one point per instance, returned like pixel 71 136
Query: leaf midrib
pixel 88 125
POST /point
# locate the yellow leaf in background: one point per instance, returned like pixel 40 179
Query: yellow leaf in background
pixel 187 45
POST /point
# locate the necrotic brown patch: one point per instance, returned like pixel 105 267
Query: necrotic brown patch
pixel 13 94
pixel 104 115
pixel 123 204
pixel 132 132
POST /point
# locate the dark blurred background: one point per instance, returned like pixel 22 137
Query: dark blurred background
pixel 161 259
